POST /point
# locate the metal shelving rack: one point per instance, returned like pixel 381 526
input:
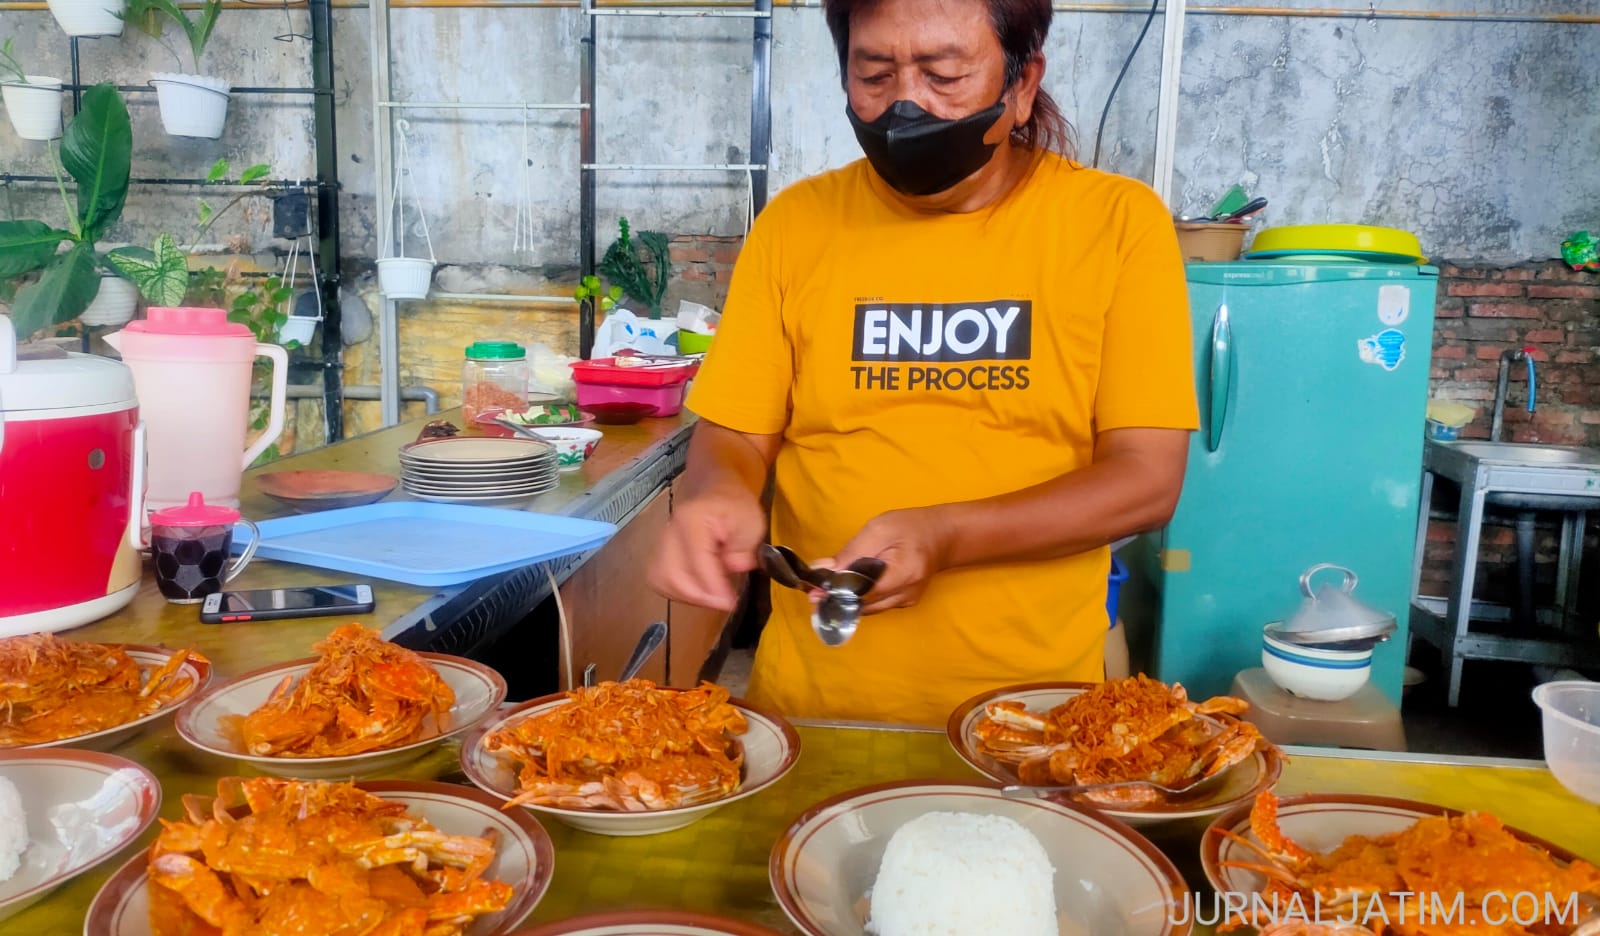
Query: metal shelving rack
pixel 759 12
pixel 325 187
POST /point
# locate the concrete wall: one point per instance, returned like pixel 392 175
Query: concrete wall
pixel 1478 136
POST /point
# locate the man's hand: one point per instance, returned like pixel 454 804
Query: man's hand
pixel 717 518
pixel 913 546
pixel 710 540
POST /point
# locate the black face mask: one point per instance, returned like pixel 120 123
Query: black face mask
pixel 921 154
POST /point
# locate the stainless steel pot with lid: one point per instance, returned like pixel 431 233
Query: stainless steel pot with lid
pixel 1332 618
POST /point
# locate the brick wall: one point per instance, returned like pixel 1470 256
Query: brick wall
pixel 1482 311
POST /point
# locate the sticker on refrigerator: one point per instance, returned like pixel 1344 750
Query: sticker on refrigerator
pixel 1394 304
pixel 1386 349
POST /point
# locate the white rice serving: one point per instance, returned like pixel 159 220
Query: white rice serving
pixel 961 874
pixel 13 830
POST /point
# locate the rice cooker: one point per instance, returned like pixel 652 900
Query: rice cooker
pixel 71 479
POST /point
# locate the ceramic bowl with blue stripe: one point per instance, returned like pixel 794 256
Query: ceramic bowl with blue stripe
pixel 1318 673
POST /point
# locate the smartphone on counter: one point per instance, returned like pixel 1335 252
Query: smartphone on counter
pixel 273 604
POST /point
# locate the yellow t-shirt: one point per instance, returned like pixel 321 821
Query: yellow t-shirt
pixel 912 359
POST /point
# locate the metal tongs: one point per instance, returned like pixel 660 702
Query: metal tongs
pixel 836 616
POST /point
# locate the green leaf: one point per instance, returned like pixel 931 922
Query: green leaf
pixel 206 211
pixel 97 149
pixel 200 32
pixel 26 246
pixel 260 171
pixel 219 169
pixel 162 275
pixel 67 287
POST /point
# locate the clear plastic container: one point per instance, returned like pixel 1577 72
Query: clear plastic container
pixel 1571 711
pixel 494 377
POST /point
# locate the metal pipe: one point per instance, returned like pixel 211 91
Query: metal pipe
pixel 77 79
pixel 586 177
pixel 673 167
pixel 731 14
pixel 477 105
pixel 427 396
pixel 1167 100
pixel 267 186
pixel 382 153
pixel 329 248
pixel 760 106
pixel 498 297
pixel 76 86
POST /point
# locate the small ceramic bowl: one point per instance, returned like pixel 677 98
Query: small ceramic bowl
pixel 573 446
pixel 82 807
pixel 479 690
pixel 306 491
pixel 619 414
pixel 1312 672
pixel 771 747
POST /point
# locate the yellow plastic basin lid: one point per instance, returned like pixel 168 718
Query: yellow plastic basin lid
pixel 1323 238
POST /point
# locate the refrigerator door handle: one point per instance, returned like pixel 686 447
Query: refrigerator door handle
pixel 1221 375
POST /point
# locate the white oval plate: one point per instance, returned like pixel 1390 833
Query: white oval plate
pixel 1240 785
pixel 524 858
pixel 648 923
pixel 1319 822
pixel 1108 878
pixel 82 808
pixel 149 658
pixel 479 690
pixel 771 748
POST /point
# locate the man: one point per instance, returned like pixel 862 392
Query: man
pixel 966 356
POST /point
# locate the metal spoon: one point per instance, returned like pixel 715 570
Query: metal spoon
pixel 651 639
pixel 1203 785
pixel 836 616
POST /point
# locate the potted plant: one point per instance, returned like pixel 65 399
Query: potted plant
pixel 88 17
pixel 95 150
pixel 161 272
pixel 191 105
pixel 645 280
pixel 33 102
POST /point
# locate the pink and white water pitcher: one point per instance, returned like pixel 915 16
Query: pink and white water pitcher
pixel 191 373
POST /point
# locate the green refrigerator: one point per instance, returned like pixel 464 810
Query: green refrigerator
pixel 1313 385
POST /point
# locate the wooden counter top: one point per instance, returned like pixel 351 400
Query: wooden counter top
pixel 624 452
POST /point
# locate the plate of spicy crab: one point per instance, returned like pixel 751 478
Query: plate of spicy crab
pixel 1344 857
pixel 269 855
pixel 1141 749
pixel 630 758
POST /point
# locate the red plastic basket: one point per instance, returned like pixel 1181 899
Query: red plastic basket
pixel 606 371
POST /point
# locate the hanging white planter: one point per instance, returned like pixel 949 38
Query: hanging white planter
pixel 192 105
pixel 114 304
pixel 88 17
pixel 405 277
pixel 400 276
pixel 34 107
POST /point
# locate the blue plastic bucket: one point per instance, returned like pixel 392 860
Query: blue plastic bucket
pixel 1119 574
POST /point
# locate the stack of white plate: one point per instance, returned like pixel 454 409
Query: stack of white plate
pixel 471 470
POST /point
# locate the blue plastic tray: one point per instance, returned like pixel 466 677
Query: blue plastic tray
pixel 422 543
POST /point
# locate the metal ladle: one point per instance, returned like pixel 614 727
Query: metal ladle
pixel 837 615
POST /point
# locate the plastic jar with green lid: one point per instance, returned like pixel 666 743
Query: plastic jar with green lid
pixel 494 377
